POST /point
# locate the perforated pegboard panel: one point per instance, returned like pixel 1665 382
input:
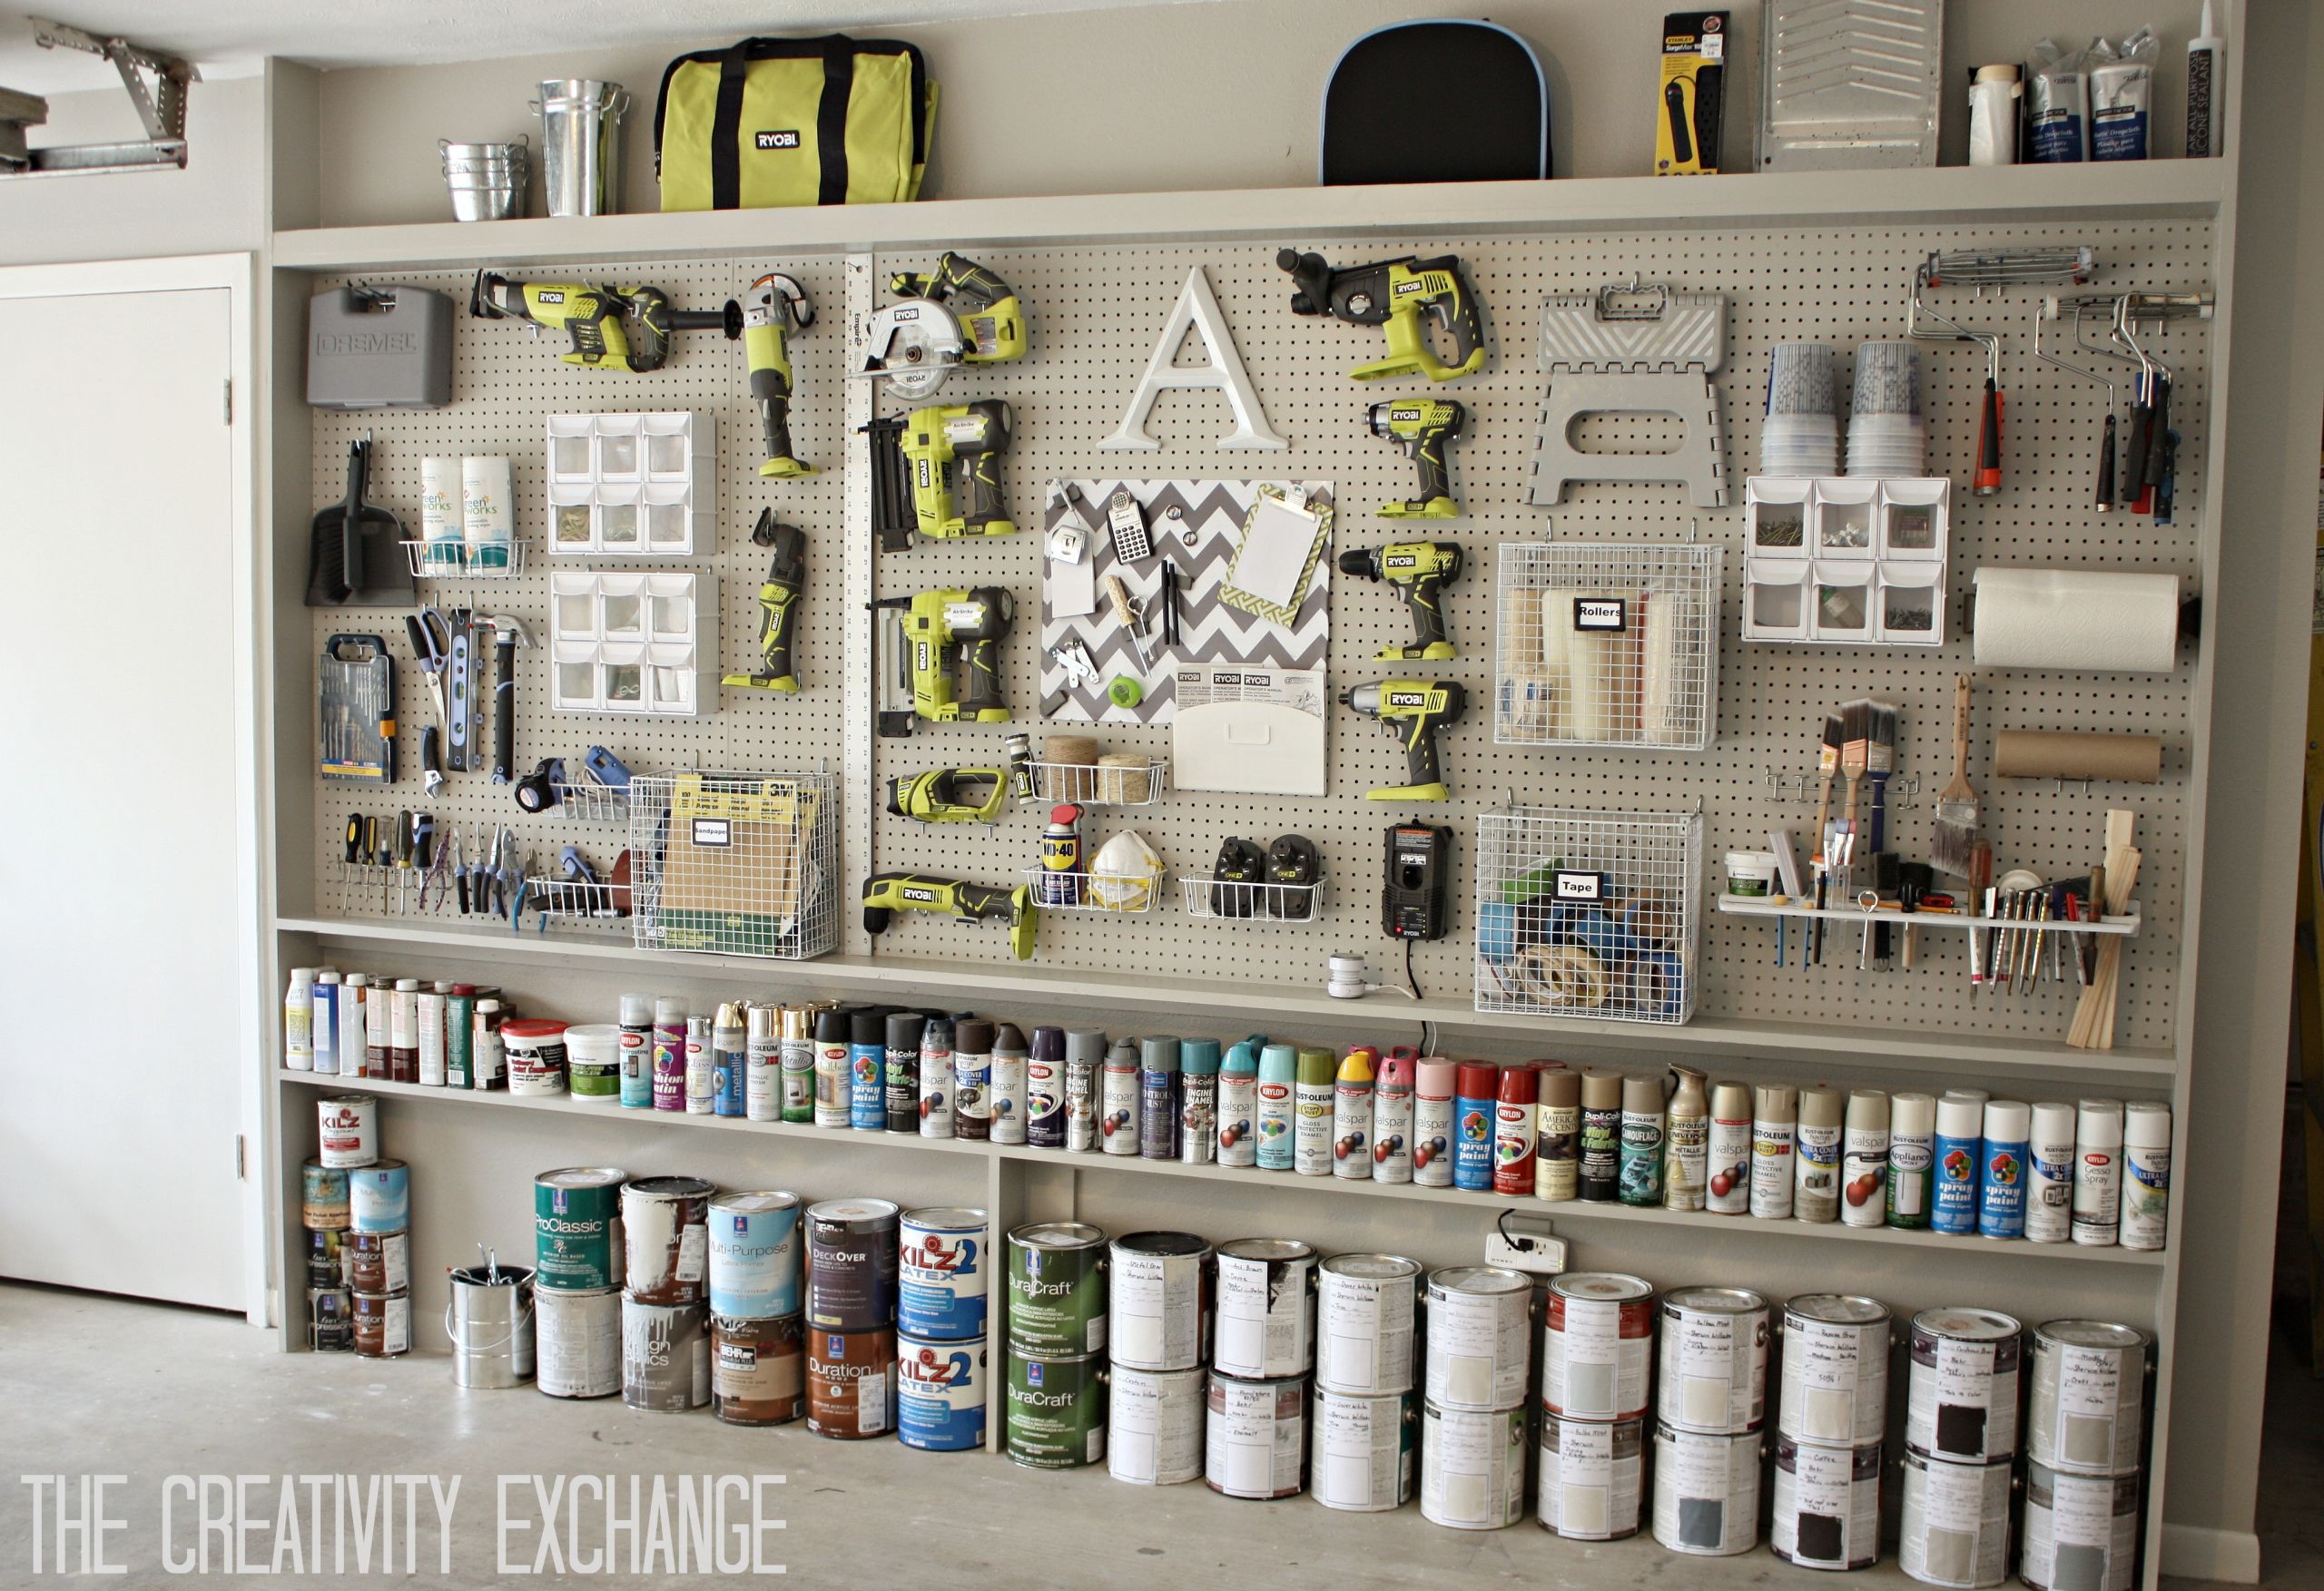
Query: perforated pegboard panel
pixel 1093 314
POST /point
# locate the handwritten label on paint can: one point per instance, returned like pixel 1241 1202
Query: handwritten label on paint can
pixel 1159 1288
pixel 1962 1401
pixel 1471 1467
pixel 2080 1531
pixel 1956 1522
pixel 2085 1415
pixel 1478 1352
pixel 1366 1452
pixel 1597 1343
pixel 1713 1360
pixel 1591 1479
pixel 1826 1513
pixel 1706 1492
pixel 1266 1300
pixel 1254 1442
pixel 1156 1421
pixel 1834 1369
pixel 1366 1310
pixel 349 1124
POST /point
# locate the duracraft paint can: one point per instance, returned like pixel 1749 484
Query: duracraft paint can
pixel 758 1370
pixel 350 1127
pixel 1706 1492
pixel 577 1341
pixel 577 1237
pixel 327 1258
pixel 535 1046
pixel 664 1356
pixel 1592 1477
pixel 1961 1404
pixel 1085 1061
pixel 2081 1531
pixel 382 1324
pixel 666 1240
pixel 1057 1290
pixel 1045 1089
pixel 851 1264
pixel 1119 1092
pixel 378 1197
pixel 1266 1308
pixel 939 1393
pixel 1713 1360
pixel 1479 1346
pixel 1433 1080
pixel 1557 1140
pixel 1198 1101
pixel 1471 1467
pixel 330 1320
pixel 1956 1522
pixel 593 1061
pixel 1159 1296
pixel 1056 1410
pixel 1476 1088
pixel 378 1261
pixel 850 1383
pixel 1834 1369
pixel 1727 1155
pixel 489 1319
pixel 1156 1426
pixel 942 1278
pixel 1255 1436
pixel 1367 1309
pixel 1597 1345
pixel 754 1253
pixel 1365 1451
pixel 1827 1508
pixel 2146 1175
pixel 2085 1414
pixel 323 1198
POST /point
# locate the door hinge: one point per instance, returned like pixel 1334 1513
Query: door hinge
pixel 230 401
pixel 241 1173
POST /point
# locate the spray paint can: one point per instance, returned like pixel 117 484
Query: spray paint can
pixel 1085 1062
pixel 1044 1089
pixel 2098 1172
pixel 867 1063
pixel 1352 1094
pixel 403 1028
pixel 299 1021
pixel 702 1071
pixel 971 1079
pixel 1005 1086
pixel 1557 1135
pixel 636 1052
pixel 1516 1123
pixel 935 1105
pixel 1278 1070
pixel 1600 1169
pixel 1197 1101
pixel 1864 1158
pixel 431 1034
pixel 1687 1143
pixel 900 1071
pixel 1644 1131
pixel 1912 1160
pixel 1120 1085
pixel 833 1107
pixel 669 1054
pixel 1238 1106
pixel 1775 1124
pixel 1960 1125
pixel 1157 1098
pixel 1433 1080
pixel 1476 1102
pixel 1392 1118
pixel 2049 1173
pixel 2001 1169
pixel 1815 1155
pixel 795 1053
pixel 1311 1106
pixel 322 1022
pixel 2146 1175
pixel 729 1062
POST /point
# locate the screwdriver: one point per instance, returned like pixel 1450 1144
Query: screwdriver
pixel 404 823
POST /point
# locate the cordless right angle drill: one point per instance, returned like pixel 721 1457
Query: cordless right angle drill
pixel 786 577
pixel 1419 571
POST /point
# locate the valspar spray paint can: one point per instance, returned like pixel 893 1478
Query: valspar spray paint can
pixel 1713 1360
pixel 1600 1169
pixel 1686 1174
pixel 1597 1345
pixel 1834 1369
pixel 1960 1126
pixel 1706 1492
pixel 2049 1173
pixel 1956 1522
pixel 1516 1124
pixel 1157 1098
pixel 1085 1060
pixel 1477 1352
pixel 1367 1309
pixel 1311 1108
pixel 1158 1312
pixel 1826 1513
pixel 1775 1125
pixel 1727 1186
pixel 796 1053
pixel 1645 1125
pixel 972 1079
pixel 1557 1137
pixel 1352 1095
pixel 942 1278
pixel 2001 1169
pixel 939 1394
pixel 1473 1467
pixel 1591 1474
pixel 2098 1172
pixel 936 1119
pixel 1912 1160
pixel 832 1076
pixel 1392 1123
pixel 1121 1087
pixel 1961 1401
pixel 1433 1086
pixel 1255 1439
pixel 1864 1159
pixel 1006 1105
pixel 1278 1071
pixel 1476 1088
pixel 1044 1090
pixel 1238 1106
pixel 1156 1426
pixel 1197 1101
pixel 2080 1531
pixel 764 1081
pixel 2085 1414
pixel 1365 1451
pixel 2146 1175
pixel 1267 1308
pixel 1815 1155
pixel 900 1070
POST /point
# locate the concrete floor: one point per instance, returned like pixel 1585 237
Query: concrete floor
pixel 97 1385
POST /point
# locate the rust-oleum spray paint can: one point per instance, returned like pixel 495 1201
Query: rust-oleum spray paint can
pixel 1085 1062
pixel 670 1054
pixel 1476 1102
pixel 936 1079
pixel 795 1060
pixel 1392 1118
pixel 1310 1104
pixel 1352 1094
pixel 1433 1086
pixel 1197 1101
pixel 1045 1089
pixel 1645 1125
pixel 1775 1128
pixel 1601 1136
pixel 1726 1187
pixel 1864 1159
pixel 1557 1139
pixel 1238 1106
pixel 832 1076
pixel 1816 1154
pixel 2049 1173
pixel 972 1079
pixel 1514 1124
pixel 1685 1170
pixel 1007 1089
pixel 1118 1100
pixel 1912 1155
pixel 1158 1101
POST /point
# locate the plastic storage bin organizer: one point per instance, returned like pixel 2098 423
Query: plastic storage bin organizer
pixel 1846 560
pixel 634 484
pixel 1607 643
pixel 634 642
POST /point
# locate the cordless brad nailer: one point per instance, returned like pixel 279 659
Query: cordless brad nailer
pixel 917 458
pixel 1411 710
pixel 786 577
pixel 1419 571
pixel 1395 294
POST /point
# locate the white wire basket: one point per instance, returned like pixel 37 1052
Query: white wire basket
pixel 1102 785
pixel 587 801
pixel 1242 901
pixel 1594 915
pixel 1123 894
pixel 450 560
pixel 571 900
pixel 736 864
pixel 1608 643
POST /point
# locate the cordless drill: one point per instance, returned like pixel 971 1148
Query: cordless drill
pixel 935 636
pixel 922 457
pixel 775 306
pixel 786 576
pixel 1395 294
pixel 1411 710
pixel 1421 427
pixel 885 894
pixel 1419 571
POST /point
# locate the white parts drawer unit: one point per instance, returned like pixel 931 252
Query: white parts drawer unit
pixel 1846 561
pixel 634 642
pixel 636 485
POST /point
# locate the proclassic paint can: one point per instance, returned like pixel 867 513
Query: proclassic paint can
pixel 382 1325
pixel 665 1240
pixel 378 1197
pixel 850 1383
pixel 1255 1439
pixel 1713 1360
pixel 758 1370
pixel 943 1275
pixel 1158 1314
pixel 1706 1492
pixel 1366 1452
pixel 350 1128
pixel 1156 1426
pixel 1962 1403
pixel 851 1264
pixel 664 1356
pixel 1266 1308
pixel 1596 1346
pixel 577 1225
pixel 1056 1410
pixel 2081 1531
pixel 1827 1506
pixel 1834 1369
pixel 1478 1349
pixel 1956 1522
pixel 1594 1473
pixel 939 1393
pixel 2085 1414
pixel 754 1255
pixel 1471 1467
pixel 489 1319
pixel 576 1339
pixel 1366 1311
pixel 322 1198
pixel 1057 1291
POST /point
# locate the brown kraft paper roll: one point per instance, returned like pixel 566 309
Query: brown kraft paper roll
pixel 2041 753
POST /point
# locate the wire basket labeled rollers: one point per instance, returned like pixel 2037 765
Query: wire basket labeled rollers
pixel 1607 643
pixel 1589 914
pixel 736 864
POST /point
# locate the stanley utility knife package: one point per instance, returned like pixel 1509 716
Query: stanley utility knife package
pixel 769 123
pixel 1693 94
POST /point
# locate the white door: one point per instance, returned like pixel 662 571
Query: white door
pixel 120 994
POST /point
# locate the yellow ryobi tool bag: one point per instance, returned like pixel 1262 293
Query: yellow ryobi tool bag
pixel 767 122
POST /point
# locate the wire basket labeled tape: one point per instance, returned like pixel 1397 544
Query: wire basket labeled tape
pixel 1589 914
pixel 1243 900
pixel 1607 643
pixel 736 864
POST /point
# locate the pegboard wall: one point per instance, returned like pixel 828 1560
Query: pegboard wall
pixel 1093 314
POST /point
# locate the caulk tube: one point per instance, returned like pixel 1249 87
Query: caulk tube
pixel 2001 1169
pixel 1311 1106
pixel 1960 1128
pixel 2206 77
pixel 1601 1136
pixel 832 1103
pixel 1085 1065
pixel 1727 1184
pixel 1238 1106
pixel 1516 1125
pixel 1157 1098
pixel 1006 1092
pixel 1117 1097
pixel 1476 1088
pixel 1864 1159
pixel 2098 1172
pixel 1912 1160
pixel 1815 1155
pixel 2146 1175
pixel 1557 1147
pixel 1278 1071
pixel 2049 1173
pixel 1392 1117
pixel 1433 1080
pixel 1197 1101
pixel 794 1063
pixel 1687 1138
pixel 1644 1131
pixel 1351 1092
pixel 1775 1125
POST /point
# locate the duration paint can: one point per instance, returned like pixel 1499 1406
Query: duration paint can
pixel 2081 1531
pixel 489 1319
pixel 1056 1410
pixel 1597 1345
pixel 1366 1452
pixel 1826 1512
pixel 378 1261
pixel 382 1324
pixel 576 1339
pixel 1255 1439
pixel 378 1197
pixel 664 1356
pixel 1962 1403
pixel 1834 1369
pixel 665 1240
pixel 322 1198
pixel 1473 1467
pixel 1714 1361
pixel 758 1370
pixel 592 1061
pixel 1367 1309
pixel 2085 1414
pixel 942 1277
pixel 1478 1352
pixel 1266 1308
pixel 1154 1421
pixel 754 1255
pixel 850 1383
pixel 1157 1313
pixel 1706 1492
pixel 1057 1290
pixel 536 1050
pixel 330 1320
pixel 939 1394
pixel 577 1236
pixel 851 1264
pixel 1594 1473
pixel 350 1128
pixel 1956 1522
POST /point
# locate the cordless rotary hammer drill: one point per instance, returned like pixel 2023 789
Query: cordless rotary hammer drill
pixel 919 457
pixel 1395 294
pixel 1411 710
pixel 1419 571
pixel 1421 427
pixel 605 328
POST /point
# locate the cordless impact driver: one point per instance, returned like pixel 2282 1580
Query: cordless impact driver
pixel 786 577
pixel 919 458
pixel 1419 571
pixel 1411 710
pixel 1421 427
pixel 1395 294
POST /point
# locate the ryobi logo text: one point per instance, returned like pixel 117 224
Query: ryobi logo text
pixel 1410 698
pixel 922 897
pixel 552 295
pixel 787 138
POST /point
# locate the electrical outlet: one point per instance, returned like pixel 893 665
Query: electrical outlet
pixel 1536 1253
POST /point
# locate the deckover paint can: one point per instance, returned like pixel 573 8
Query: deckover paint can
pixel 1159 1292
pixel 1713 1360
pixel 1255 1438
pixel 1834 1369
pixel 942 1274
pixel 323 1198
pixel 1266 1308
pixel 851 1264
pixel 850 1383
pixel 2081 1531
pixel 378 1197
pixel 939 1394
pixel 1597 1345
pixel 1056 1410
pixel 1366 1452
pixel 2086 1412
pixel 1962 1402
pixel 577 1238
pixel 1956 1522
pixel 1057 1290
pixel 1826 1512
pixel 758 1370
pixel 576 1339
pixel 350 1128
pixel 1367 1309
pixel 1478 1348
pixel 382 1324
pixel 1156 1426
pixel 754 1255
pixel 664 1356
pixel 1706 1492
pixel 1592 1474
pixel 1471 1467
pixel 665 1239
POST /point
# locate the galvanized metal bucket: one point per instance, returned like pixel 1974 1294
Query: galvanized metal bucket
pixel 581 144
pixel 489 1319
pixel 487 180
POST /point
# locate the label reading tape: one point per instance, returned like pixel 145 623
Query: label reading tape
pixel 1573 886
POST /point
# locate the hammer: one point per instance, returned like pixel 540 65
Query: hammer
pixel 508 634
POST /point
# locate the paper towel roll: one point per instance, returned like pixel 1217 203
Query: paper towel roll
pixel 2077 619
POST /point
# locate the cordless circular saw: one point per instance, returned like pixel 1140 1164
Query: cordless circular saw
pixel 962 315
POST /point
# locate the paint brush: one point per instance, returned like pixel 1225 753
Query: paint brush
pixel 1855 752
pixel 1956 803
pixel 1828 764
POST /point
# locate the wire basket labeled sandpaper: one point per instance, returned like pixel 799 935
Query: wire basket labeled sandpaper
pixel 1594 915
pixel 736 864
pixel 1607 643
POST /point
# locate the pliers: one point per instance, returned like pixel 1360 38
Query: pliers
pixel 507 874
pixel 478 889
pixel 439 867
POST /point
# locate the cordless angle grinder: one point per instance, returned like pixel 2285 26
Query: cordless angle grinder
pixel 1395 295
pixel 786 577
pixel 885 894
pixel 1411 710
pixel 776 307
pixel 1421 427
pixel 943 657
pixel 963 314
pixel 918 459
pixel 950 795
pixel 605 328
pixel 1419 571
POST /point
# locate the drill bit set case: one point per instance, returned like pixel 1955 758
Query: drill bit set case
pixel 1607 643
pixel 1846 560
pixel 634 642
pixel 636 485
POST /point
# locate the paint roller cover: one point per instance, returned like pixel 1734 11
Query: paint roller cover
pixel 2077 619
pixel 1601 669
pixel 2031 753
pixel 1669 621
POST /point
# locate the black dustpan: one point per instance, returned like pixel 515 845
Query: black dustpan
pixel 1441 101
pixel 357 556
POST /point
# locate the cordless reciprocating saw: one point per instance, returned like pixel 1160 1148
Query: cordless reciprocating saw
pixel 1421 427
pixel 786 577
pixel 919 458
pixel 1395 294
pixel 605 328
pixel 885 894
pixel 1419 571
pixel 1411 710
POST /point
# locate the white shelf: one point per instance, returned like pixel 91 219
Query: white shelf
pixel 2125 926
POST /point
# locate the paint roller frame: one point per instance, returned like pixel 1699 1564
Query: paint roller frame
pixel 1979 269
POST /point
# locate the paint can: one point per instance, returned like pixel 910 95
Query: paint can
pixel 330 1320
pixel 1266 1303
pixel 378 1261
pixel 1056 1410
pixel 1962 1403
pixel 592 1061
pixel 350 1127
pixel 1478 1352
pixel 1366 1310
pixel 1827 1506
pixel 1471 1467
pixel 576 1339
pixel 939 1394
pixel 758 1370
pixel 1158 1315
pixel 1714 1361
pixel 1366 1452
pixel 489 1319
pixel 754 1255
pixel 577 1236
pixel 941 1282
pixel 1956 1522
pixel 382 1324
pixel 536 1050
pixel 2081 1531
pixel 327 1259
pixel 2085 1414
pixel 1156 1421
pixel 1597 1345
pixel 664 1222
pixel 1255 1436
pixel 1706 1492
pixel 664 1355
pixel 323 1198
pixel 378 1197
pixel 1834 1369
pixel 850 1266
pixel 1057 1291
pixel 1592 1477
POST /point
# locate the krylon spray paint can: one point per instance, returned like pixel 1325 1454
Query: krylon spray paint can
pixel 1044 1089
pixel 2098 1172
pixel 669 1077
pixel 637 1052
pixel 1515 1126
pixel 1278 1071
